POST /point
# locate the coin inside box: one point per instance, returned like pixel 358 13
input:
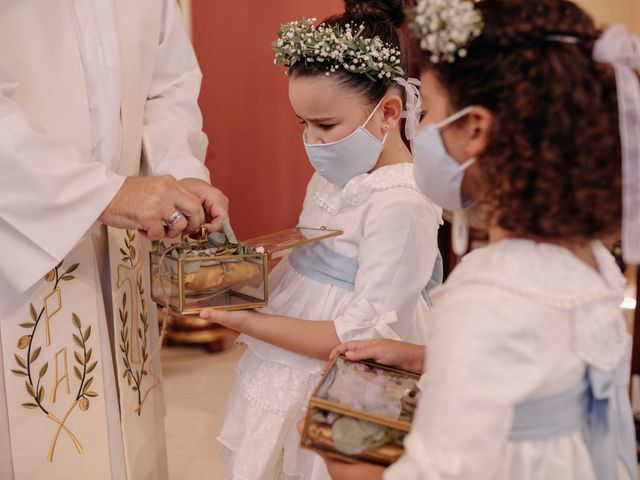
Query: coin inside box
pixel 361 412
pixel 189 278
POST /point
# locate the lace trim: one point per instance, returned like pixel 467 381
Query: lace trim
pixel 501 265
pixel 600 339
pixel 334 199
pixel 271 386
pixel 600 336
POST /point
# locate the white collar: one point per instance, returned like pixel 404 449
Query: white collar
pixel 334 199
pixel 551 275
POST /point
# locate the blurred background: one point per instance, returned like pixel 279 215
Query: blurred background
pixel 256 155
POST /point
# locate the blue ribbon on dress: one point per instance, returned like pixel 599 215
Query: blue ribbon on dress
pixel 553 416
pixel 437 275
pixel 611 426
pixel 600 406
pixel 320 263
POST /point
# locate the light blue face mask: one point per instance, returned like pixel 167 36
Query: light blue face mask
pixel 437 173
pixel 345 159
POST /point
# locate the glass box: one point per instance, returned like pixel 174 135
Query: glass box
pixel 224 280
pixel 361 412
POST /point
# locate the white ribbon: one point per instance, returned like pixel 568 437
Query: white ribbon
pixel 621 49
pixel 413 107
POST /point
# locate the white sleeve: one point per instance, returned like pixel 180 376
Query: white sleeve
pixel 172 138
pixel 481 362
pixel 50 198
pixel 395 260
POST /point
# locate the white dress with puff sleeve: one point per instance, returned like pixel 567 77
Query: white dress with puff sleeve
pixel 516 321
pixel 390 229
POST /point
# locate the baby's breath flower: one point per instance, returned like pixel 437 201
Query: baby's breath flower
pixel 336 47
pixel 445 28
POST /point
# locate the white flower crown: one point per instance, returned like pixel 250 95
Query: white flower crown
pixel 445 28
pixel 336 47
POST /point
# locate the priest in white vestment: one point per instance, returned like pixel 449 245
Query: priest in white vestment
pixel 101 149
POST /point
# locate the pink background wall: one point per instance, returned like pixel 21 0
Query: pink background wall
pixel 256 155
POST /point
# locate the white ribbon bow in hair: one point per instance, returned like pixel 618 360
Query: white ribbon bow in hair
pixel 621 49
pixel 413 108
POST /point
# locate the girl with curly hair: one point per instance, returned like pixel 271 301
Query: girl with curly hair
pixel 534 115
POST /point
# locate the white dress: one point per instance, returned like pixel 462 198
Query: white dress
pixel 516 321
pixel 391 229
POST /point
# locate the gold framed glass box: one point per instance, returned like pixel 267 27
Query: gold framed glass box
pixel 192 276
pixel 361 412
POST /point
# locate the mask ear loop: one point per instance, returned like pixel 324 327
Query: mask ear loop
pixel 364 125
pixel 452 118
pixel 448 121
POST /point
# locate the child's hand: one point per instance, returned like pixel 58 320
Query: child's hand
pixel 233 320
pixel 300 425
pixel 406 356
pixel 350 471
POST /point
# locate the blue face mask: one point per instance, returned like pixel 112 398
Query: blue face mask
pixel 437 173
pixel 345 159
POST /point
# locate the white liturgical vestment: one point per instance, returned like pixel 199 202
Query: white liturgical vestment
pixel 91 91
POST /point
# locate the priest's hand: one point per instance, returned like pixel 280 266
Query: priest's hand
pixel 215 203
pixel 406 356
pixel 147 203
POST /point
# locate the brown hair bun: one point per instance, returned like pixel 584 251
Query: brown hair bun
pixel 391 10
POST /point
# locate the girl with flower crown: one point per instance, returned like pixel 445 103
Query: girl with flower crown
pixel 535 116
pixel 364 284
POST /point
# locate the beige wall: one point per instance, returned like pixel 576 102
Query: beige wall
pixel 610 11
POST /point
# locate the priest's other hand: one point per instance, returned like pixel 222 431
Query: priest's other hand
pixel 148 203
pixel 406 356
pixel 214 202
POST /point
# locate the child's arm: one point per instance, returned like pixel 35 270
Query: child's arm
pixel 396 256
pixel 313 338
pixel 406 356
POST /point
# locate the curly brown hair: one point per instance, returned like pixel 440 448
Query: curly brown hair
pixel 552 167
